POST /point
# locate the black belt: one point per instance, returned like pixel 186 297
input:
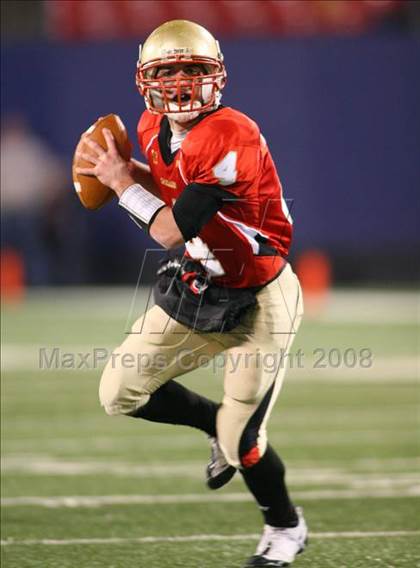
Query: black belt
pixel 184 291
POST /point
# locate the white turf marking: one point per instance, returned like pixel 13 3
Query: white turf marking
pixel 153 441
pixel 44 465
pixel 201 538
pixel 105 500
pixel 369 306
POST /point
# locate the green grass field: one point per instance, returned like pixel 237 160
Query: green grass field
pixel 84 490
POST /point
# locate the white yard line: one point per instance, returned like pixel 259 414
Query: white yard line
pixel 105 500
pixel 383 369
pixel 374 465
pixel 364 306
pixel 52 466
pixel 371 307
pixel 200 538
pixel 45 465
pixel 129 443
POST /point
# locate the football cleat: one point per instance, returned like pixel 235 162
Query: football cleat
pixel 218 471
pixel 279 546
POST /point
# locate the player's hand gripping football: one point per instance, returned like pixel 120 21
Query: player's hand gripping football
pixel 107 165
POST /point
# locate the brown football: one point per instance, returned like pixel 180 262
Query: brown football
pixel 92 193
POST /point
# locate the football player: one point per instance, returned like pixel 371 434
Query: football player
pixel 209 183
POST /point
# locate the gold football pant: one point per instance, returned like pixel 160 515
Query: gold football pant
pixel 254 357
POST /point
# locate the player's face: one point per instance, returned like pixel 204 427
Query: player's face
pixel 180 90
pixel 181 74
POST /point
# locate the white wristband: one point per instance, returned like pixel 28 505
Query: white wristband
pixel 141 203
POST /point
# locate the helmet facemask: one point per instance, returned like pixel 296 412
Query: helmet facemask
pixel 181 97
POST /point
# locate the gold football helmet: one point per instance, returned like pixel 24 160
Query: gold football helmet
pixel 180 70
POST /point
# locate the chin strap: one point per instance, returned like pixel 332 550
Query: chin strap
pixel 183 116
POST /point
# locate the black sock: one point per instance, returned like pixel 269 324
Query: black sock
pixel 172 403
pixel 266 482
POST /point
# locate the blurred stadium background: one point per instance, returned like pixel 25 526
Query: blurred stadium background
pixel 335 88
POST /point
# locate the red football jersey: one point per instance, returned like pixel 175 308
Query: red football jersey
pixel 246 241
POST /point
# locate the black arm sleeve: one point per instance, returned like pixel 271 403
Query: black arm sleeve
pixel 196 206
